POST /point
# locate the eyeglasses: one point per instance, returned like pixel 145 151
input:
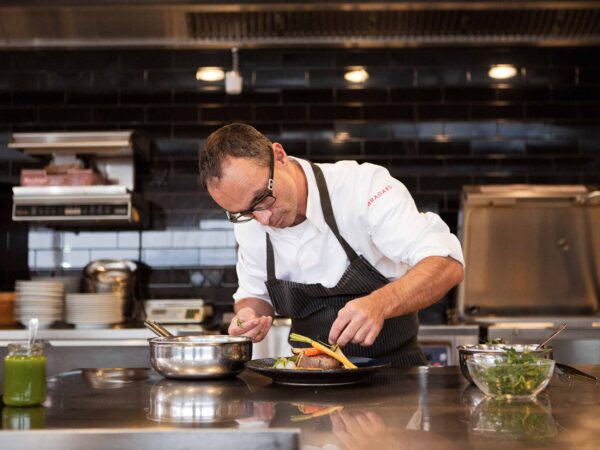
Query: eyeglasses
pixel 264 202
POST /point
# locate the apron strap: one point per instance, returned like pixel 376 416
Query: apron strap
pixel 329 219
pixel 328 212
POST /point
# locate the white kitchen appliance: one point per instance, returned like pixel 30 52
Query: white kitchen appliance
pixel 178 311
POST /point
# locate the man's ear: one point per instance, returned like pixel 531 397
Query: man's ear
pixel 280 154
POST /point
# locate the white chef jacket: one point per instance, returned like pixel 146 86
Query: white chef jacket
pixel 374 212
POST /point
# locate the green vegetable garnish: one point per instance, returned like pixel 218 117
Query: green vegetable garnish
pixel 518 375
pixel 239 323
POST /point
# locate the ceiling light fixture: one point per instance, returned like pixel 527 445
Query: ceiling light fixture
pixel 502 71
pixel 210 74
pixel 356 76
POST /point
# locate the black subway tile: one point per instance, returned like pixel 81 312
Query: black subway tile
pixel 444 148
pixel 363 57
pixel 65 80
pixel 500 177
pixel 57 115
pixel 17 115
pixel 388 112
pixel 172 114
pixel 92 97
pixel 442 111
pixel 513 146
pixel 469 94
pixel 296 148
pixel 528 165
pixel 590 110
pixel 365 130
pixel 118 114
pixel 194 131
pixel 551 76
pixel 577 93
pixel 547 147
pixel 193 59
pixel 109 79
pixel 254 97
pixel 555 179
pixel 280 78
pixel 473 129
pixel 334 112
pixel 305 131
pixel 280 113
pixel 497 111
pixel 417 94
pixel 387 148
pixel 145 59
pixel 309 58
pixel 590 147
pixel 589 76
pixel 168 79
pixel 203 97
pixel 443 183
pixel 307 95
pixel 550 111
pixel 521 94
pixel 337 149
pixel 143 98
pixel 362 95
pixel 156 131
pixel 39 97
pixel 577 164
pixel 226 114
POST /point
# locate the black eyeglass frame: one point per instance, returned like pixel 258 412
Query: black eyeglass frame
pixel 237 217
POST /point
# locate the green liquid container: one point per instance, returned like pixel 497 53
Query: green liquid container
pixel 24 375
pixel 23 417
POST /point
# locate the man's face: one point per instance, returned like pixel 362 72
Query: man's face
pixel 244 181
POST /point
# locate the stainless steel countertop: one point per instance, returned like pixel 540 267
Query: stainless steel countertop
pixel 393 409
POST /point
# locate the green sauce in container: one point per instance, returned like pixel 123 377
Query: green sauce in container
pixel 24 375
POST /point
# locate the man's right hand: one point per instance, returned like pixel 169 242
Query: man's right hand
pixel 247 323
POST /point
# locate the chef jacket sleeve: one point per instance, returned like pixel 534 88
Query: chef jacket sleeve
pixel 251 272
pixel 398 229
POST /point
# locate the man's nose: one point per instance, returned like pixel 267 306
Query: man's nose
pixel 263 216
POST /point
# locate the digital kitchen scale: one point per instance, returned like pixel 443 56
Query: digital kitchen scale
pixel 177 311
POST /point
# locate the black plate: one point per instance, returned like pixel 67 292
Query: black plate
pixel 302 377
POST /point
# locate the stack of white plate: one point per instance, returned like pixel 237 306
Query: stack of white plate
pixel 72 283
pixel 94 310
pixel 41 299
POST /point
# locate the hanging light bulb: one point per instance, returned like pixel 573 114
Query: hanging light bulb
pixel 356 76
pixel 233 78
pixel 502 71
pixel 210 74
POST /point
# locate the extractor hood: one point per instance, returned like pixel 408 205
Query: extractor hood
pixel 112 203
pixel 217 24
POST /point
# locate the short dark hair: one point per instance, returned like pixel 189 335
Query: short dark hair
pixel 236 140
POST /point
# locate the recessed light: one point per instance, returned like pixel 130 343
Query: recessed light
pixel 210 74
pixel 502 71
pixel 356 76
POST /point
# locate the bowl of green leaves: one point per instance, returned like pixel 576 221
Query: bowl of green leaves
pixel 511 375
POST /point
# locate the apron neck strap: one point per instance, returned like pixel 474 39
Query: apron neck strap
pixel 329 219
pixel 328 212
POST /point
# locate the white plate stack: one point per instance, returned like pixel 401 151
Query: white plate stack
pixel 99 310
pixel 41 299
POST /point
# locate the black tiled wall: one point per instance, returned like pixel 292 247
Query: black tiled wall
pixel 432 116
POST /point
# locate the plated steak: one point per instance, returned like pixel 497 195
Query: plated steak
pixel 322 362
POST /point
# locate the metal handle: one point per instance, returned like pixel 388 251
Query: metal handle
pixel 560 329
pixel 157 328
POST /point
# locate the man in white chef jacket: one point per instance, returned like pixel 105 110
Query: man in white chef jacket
pixel 340 248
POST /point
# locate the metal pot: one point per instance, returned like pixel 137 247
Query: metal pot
pixel 465 352
pixel 112 275
pixel 196 357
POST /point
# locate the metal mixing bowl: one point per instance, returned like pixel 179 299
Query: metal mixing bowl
pixel 193 357
pixel 465 352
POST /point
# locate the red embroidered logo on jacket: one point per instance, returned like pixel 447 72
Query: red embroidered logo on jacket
pixel 379 194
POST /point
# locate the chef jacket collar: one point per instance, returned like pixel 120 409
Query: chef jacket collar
pixel 314 212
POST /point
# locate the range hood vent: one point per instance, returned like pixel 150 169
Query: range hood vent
pixel 210 24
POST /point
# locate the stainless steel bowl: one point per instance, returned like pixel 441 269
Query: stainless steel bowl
pixel 190 402
pixel 194 357
pixel 465 352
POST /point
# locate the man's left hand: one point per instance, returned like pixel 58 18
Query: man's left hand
pixel 359 322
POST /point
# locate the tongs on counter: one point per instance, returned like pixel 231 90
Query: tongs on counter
pixel 566 371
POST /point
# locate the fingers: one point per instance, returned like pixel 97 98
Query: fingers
pixel 256 328
pixel 357 322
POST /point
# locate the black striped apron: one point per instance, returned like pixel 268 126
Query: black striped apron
pixel 313 308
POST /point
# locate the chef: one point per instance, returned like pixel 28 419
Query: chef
pixel 339 248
